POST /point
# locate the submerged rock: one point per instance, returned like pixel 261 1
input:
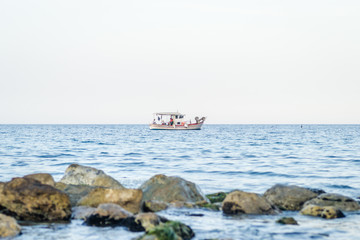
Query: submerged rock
pixel 289 197
pixel 154 206
pixel 171 189
pixel 8 226
pixel 82 212
pixel 129 199
pixel 336 200
pixel 171 230
pixel 216 197
pixel 82 175
pixel 44 178
pixel 28 199
pixel 75 192
pixel 239 202
pixel 287 221
pixel 328 212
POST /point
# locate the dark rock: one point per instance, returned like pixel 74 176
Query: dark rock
pixel 28 199
pixel 289 197
pixel 75 192
pixel 216 197
pixel 328 212
pixel 336 200
pixel 82 175
pixel 44 178
pixel 287 221
pixel 239 202
pixel 129 199
pixel 8 226
pixel 113 215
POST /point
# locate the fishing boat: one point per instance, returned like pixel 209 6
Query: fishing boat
pixel 175 121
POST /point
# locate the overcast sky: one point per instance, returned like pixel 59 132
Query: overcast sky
pixel 71 61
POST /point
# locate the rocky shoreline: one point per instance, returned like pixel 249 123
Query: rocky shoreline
pixel 99 200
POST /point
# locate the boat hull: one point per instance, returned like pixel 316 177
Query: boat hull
pixel 176 127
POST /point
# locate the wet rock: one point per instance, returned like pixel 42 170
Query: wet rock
pixel 287 221
pixel 327 212
pixel 210 206
pixel 239 202
pixel 109 214
pixel 8 226
pixel 216 197
pixel 28 199
pixel 171 189
pixel 82 175
pixel 170 230
pixel 129 199
pixel 338 201
pixel 289 197
pixel 44 178
pixel 149 220
pixel 75 192
pixel 82 212
pixel 154 206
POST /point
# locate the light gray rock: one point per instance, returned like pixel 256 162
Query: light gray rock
pixel 289 197
pixel 338 201
pixel 82 175
pixel 8 226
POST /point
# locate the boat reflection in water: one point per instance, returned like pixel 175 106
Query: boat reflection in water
pixel 175 121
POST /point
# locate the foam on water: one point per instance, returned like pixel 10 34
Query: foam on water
pixel 217 158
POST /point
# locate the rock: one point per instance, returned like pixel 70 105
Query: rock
pixel 287 221
pixel 338 201
pixel 149 220
pixel 327 212
pixel 216 197
pixel 205 204
pixel 171 230
pixel 110 214
pixel 28 199
pixel 8 226
pixel 82 212
pixel 129 199
pixel 239 202
pixel 44 178
pixel 170 189
pixel 289 197
pixel 154 206
pixel 75 192
pixel 81 175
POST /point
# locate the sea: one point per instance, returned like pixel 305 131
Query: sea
pixel 217 158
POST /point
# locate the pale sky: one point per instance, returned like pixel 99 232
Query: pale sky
pixel 247 62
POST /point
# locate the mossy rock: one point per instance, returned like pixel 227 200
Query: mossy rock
pixel 207 205
pixel 171 230
pixel 287 221
pixel 216 197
